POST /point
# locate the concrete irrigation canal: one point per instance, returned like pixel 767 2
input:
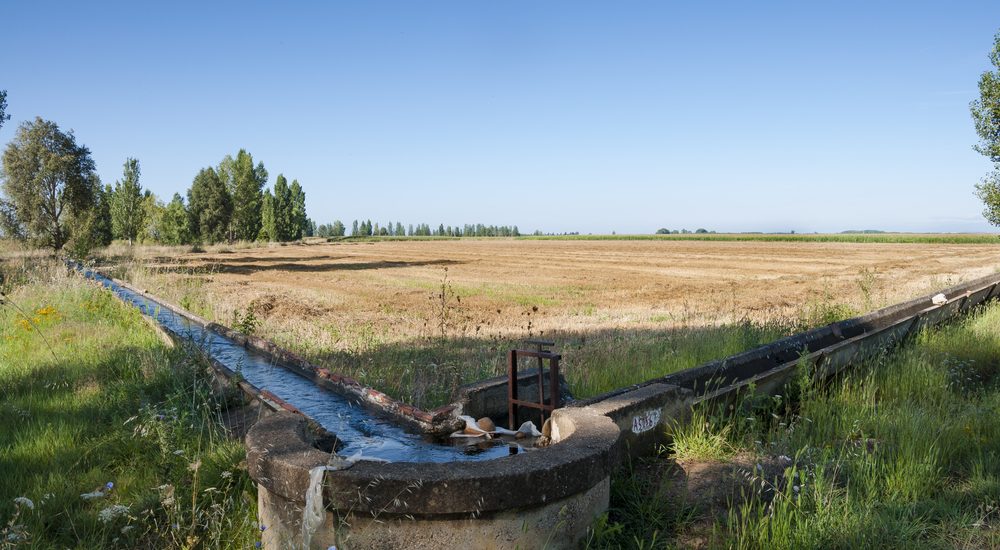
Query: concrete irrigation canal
pixel 339 464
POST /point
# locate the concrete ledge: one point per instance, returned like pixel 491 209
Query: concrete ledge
pixel 555 525
pixel 644 415
pixel 280 457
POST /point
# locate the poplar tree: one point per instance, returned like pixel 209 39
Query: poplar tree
pixel 127 203
pixel 283 223
pixel 299 221
pixel 268 215
pixel 247 185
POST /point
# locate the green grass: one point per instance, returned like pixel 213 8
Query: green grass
pixel 903 452
pixel 109 403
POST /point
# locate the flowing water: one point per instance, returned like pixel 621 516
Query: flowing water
pixel 361 431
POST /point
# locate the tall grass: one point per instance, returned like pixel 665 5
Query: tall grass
pixel 110 439
pixel 901 452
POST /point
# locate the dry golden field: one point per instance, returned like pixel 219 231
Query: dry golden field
pixel 360 305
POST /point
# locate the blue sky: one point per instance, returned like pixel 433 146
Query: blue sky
pixel 577 116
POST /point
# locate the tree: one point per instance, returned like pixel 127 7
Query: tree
pixel 210 207
pixel 283 223
pixel 4 117
pixel 299 222
pixel 174 222
pixel 153 209
pixel 268 215
pixel 986 116
pixel 247 184
pixel 338 229
pixel 102 229
pixel 49 183
pixel 127 208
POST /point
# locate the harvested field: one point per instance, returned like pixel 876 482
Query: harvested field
pixel 419 317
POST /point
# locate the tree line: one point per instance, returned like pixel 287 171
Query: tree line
pixel 52 197
pixel 366 228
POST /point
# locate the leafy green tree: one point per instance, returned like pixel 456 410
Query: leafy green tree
pixel 153 209
pixel 102 228
pixel 986 116
pixel 4 117
pixel 268 225
pixel 174 222
pixel 49 184
pixel 299 222
pixel 128 212
pixel 338 229
pixel 210 207
pixel 247 185
pixel 283 223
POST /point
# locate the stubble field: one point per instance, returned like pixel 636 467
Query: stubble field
pixel 419 317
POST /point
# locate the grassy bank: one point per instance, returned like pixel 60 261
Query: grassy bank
pixel 111 439
pixel 901 453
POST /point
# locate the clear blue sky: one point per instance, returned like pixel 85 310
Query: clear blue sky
pixel 576 116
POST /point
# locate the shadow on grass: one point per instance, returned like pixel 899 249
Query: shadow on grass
pixel 427 371
pixel 248 265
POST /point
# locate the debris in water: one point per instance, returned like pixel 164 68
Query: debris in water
pixel 939 299
pixel 476 428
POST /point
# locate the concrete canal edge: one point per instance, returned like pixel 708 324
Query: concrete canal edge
pixel 543 498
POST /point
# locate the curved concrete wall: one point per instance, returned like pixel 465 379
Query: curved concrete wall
pixel 550 493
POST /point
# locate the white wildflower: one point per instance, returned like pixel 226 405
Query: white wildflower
pixel 25 501
pixel 784 458
pixel 227 474
pixel 127 528
pixel 112 513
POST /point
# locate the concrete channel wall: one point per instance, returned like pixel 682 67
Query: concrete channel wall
pixel 647 412
pixel 546 497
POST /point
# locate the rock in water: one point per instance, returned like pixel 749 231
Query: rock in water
pixel 486 424
pixel 939 299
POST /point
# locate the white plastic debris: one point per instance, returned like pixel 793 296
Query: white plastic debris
pixel 939 299
pixel 473 430
pixel 528 428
